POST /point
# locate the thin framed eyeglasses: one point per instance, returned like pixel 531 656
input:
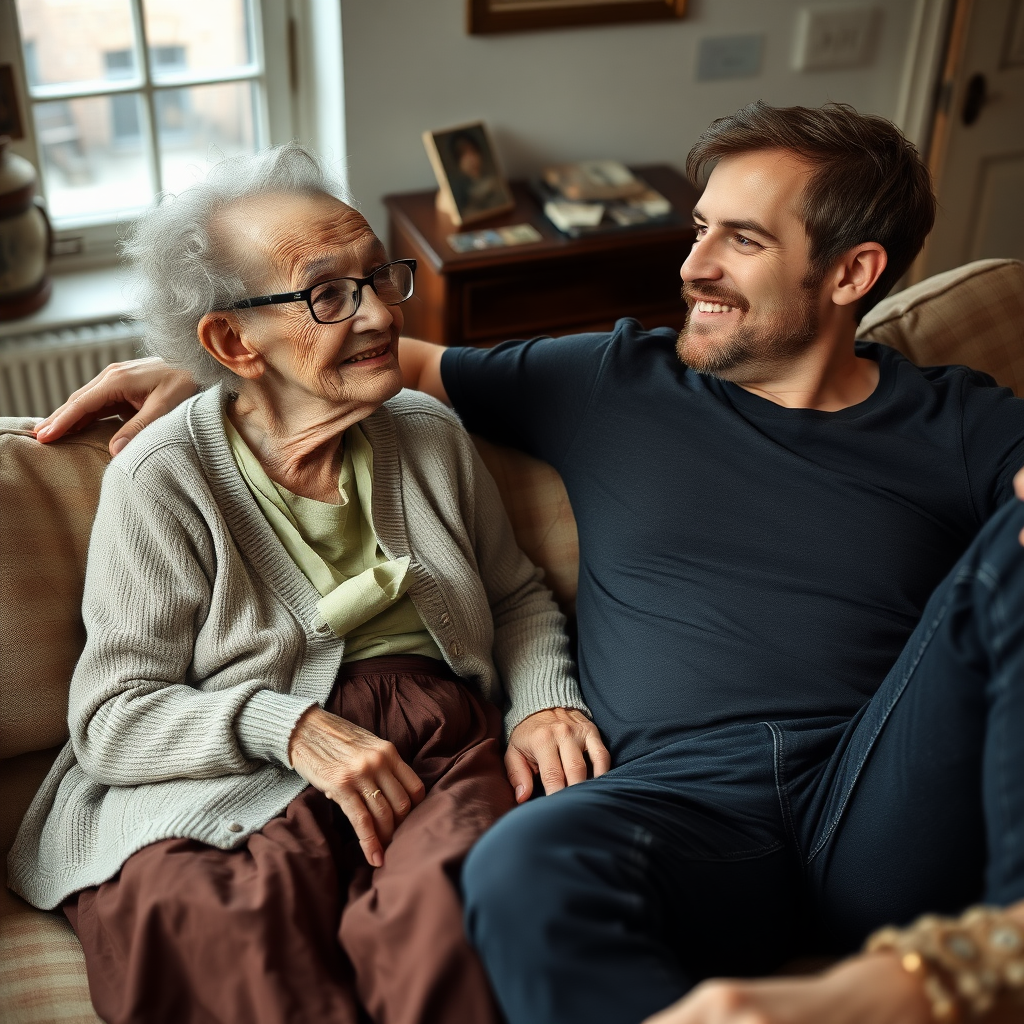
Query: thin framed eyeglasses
pixel 332 301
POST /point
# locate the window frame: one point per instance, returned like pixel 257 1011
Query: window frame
pixel 85 242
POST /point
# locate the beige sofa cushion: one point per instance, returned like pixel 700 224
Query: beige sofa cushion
pixel 538 507
pixel 42 972
pixel 972 315
pixel 48 497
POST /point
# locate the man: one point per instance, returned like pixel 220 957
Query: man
pixel 801 750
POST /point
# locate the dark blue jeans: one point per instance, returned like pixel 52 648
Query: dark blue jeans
pixel 733 850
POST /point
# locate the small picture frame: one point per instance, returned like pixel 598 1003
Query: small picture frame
pixel 472 187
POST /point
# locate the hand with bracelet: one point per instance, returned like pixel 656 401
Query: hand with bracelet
pixel 937 971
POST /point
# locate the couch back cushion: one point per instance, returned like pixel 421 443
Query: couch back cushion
pixel 972 315
pixel 538 507
pixel 48 497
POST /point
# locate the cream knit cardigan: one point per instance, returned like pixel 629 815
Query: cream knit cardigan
pixel 204 645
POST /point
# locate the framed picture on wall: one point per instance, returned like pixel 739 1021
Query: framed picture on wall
pixel 471 183
pixel 483 16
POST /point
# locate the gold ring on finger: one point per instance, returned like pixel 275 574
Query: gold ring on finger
pixel 376 793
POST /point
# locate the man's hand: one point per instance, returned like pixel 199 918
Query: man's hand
pixel 143 389
pixel 552 744
pixel 360 772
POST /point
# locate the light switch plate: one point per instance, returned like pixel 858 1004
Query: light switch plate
pixel 835 37
pixel 729 57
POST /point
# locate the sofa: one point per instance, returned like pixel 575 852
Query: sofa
pixel 48 495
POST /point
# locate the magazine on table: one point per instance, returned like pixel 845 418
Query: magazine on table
pixel 599 196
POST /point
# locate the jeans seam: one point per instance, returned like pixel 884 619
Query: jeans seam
pixel 778 743
pixel 1002 787
pixel 922 647
pixel 988 577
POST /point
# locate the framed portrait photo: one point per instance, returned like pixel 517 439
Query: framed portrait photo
pixel 484 16
pixel 471 183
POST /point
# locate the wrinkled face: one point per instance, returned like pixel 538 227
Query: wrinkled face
pixel 305 240
pixel 750 311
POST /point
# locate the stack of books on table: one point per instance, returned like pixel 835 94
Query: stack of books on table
pixel 599 195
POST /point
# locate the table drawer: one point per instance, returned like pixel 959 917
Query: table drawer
pixel 531 298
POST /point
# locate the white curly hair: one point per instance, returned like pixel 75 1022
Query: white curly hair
pixel 178 274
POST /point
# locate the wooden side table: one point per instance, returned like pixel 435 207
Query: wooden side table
pixel 558 285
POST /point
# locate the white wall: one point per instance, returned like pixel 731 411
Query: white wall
pixel 621 91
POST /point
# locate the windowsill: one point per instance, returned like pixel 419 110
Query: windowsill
pixel 79 297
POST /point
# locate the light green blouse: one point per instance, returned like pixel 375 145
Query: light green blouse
pixel 362 591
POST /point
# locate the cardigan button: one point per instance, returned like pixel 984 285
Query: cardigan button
pixel 234 826
pixel 456 649
pixel 446 619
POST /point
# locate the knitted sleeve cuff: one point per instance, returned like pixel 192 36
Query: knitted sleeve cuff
pixel 527 700
pixel 264 725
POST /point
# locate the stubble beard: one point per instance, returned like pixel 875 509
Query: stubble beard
pixel 752 352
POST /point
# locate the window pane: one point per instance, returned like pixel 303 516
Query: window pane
pixel 197 36
pixel 74 40
pixel 199 125
pixel 94 162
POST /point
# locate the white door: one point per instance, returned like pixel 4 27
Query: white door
pixel 980 170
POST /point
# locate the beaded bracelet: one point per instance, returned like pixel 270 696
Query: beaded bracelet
pixel 965 964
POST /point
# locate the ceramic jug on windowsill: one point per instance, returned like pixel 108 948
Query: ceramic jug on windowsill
pixel 25 238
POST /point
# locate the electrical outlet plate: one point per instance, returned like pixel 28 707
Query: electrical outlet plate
pixel 829 38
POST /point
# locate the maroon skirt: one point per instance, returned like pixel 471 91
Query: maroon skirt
pixel 294 925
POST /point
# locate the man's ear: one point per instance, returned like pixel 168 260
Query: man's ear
pixel 857 272
pixel 221 335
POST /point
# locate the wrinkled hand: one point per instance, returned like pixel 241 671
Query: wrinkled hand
pixel 552 744
pixel 142 389
pixel 360 772
pixel 865 990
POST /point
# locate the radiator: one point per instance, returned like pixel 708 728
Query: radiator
pixel 39 371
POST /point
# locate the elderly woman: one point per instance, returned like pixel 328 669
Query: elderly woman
pixel 302 602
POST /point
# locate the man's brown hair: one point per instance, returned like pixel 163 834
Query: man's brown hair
pixel 869 183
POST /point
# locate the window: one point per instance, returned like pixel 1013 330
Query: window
pixel 129 98
pixel 127 94
pixel 124 111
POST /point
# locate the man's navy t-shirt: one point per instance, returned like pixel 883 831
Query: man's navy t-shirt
pixel 740 560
